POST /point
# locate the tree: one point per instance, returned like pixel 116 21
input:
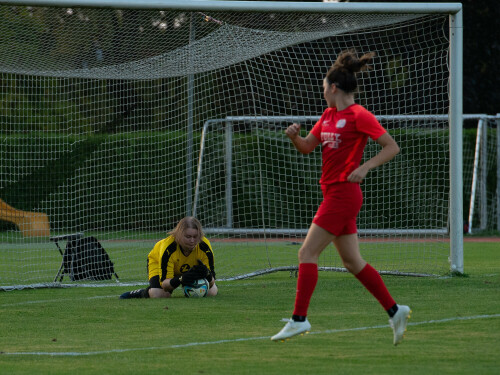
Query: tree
pixel 481 92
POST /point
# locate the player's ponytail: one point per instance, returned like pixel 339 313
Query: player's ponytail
pixel 343 71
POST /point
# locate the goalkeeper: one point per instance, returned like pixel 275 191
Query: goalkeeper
pixel 180 259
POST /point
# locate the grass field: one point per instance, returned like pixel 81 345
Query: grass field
pixel 38 263
pixel 455 327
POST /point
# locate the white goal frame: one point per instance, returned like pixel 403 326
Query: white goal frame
pixel 228 123
pixel 454 117
pixel 479 172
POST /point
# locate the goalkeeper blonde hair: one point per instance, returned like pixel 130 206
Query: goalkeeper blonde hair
pixel 189 222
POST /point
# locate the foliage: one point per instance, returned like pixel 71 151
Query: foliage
pixel 108 122
pixel 122 163
pixel 481 52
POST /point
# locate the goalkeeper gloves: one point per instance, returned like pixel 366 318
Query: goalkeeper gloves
pixel 203 271
pixel 187 278
pixel 175 281
pixel 200 271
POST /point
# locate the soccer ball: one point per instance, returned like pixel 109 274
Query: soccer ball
pixel 198 289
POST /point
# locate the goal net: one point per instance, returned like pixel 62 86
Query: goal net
pixel 116 123
pixel 481 150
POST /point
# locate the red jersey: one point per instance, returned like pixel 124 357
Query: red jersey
pixel 343 136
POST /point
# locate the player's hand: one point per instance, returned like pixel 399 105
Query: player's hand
pixel 201 269
pixel 189 277
pixel 293 131
pixel 358 175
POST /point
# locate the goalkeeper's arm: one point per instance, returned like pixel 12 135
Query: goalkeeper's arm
pixel 202 271
pixel 169 285
pixel 186 278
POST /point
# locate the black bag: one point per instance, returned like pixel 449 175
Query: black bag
pixel 86 259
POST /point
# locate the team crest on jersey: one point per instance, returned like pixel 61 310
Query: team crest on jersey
pixel 331 140
pixel 185 268
pixel 341 123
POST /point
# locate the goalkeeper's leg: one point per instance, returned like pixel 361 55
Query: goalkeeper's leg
pixel 153 291
pixel 139 293
pixel 159 293
pixel 213 290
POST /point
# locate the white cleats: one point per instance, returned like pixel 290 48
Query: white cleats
pixel 291 329
pixel 398 323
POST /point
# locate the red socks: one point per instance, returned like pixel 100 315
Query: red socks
pixel 372 281
pixel 308 278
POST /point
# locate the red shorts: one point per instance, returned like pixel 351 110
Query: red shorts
pixel 339 209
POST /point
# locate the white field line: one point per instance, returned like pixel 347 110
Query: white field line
pixel 243 339
pixel 56 300
pixel 86 298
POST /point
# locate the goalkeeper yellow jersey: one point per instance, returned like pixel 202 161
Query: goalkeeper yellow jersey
pixel 167 259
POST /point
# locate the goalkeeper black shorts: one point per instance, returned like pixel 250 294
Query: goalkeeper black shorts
pixel 154 282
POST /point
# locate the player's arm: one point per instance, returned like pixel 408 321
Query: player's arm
pixel 389 149
pixel 187 278
pixel 203 272
pixel 171 281
pixel 303 145
pixel 169 285
pixel 207 259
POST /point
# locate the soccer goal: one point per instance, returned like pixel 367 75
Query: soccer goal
pixel 121 117
pixel 480 192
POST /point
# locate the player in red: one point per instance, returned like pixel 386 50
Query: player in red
pixel 343 131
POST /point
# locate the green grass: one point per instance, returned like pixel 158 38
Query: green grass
pixel 232 258
pixel 229 334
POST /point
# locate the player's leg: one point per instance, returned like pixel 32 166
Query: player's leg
pixel 348 249
pixel 153 291
pixel 212 292
pixel 347 246
pixel 158 293
pixel 138 293
pixel 339 204
pixel 316 240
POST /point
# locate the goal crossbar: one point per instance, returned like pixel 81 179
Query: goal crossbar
pixel 253 6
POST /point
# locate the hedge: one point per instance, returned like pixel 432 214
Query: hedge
pixel 136 181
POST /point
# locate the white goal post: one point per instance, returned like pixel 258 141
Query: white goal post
pixel 229 123
pixel 120 117
pixel 483 202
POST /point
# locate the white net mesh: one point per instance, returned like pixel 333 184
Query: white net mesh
pixel 480 153
pixel 102 117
